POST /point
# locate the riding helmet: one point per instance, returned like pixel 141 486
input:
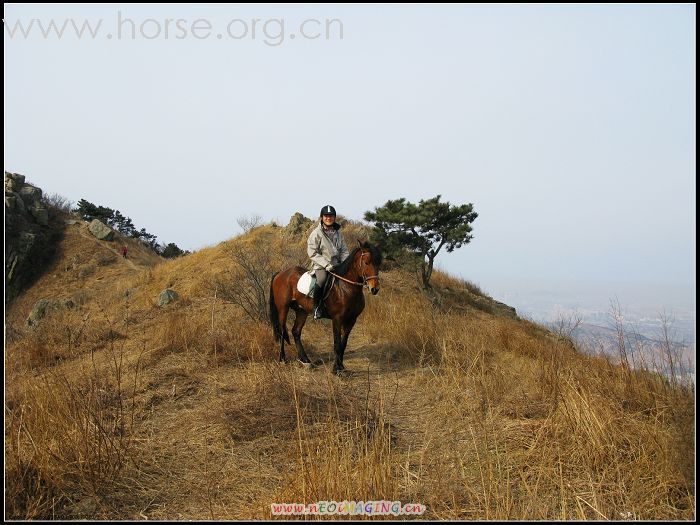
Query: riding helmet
pixel 328 210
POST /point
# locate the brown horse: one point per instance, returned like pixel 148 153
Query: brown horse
pixel 344 303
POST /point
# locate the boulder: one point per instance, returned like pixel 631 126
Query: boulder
pixel 167 296
pixel 39 311
pixel 101 230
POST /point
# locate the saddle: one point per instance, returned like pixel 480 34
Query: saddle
pixel 307 283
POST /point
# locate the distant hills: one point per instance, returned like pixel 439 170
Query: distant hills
pixel 642 350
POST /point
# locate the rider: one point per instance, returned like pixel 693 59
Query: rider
pixel 327 249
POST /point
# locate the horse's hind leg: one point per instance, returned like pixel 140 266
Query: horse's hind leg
pixel 296 332
pixel 283 325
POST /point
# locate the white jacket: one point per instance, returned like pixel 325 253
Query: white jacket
pixel 322 249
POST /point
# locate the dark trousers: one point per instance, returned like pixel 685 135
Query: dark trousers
pixel 321 275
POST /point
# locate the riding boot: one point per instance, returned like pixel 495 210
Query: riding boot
pixel 318 301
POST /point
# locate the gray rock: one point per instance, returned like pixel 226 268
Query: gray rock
pixel 16 203
pixel 10 265
pixel 298 224
pixel 29 243
pixel 39 311
pixel 13 181
pixel 15 176
pixel 19 203
pixel 30 194
pixel 10 203
pixel 505 310
pixel 101 231
pixel 167 296
pixel 40 213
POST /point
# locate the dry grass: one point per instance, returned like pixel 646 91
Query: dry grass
pixel 119 409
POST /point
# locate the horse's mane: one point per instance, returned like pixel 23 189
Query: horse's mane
pixel 347 263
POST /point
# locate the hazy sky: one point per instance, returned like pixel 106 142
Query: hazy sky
pixel 570 128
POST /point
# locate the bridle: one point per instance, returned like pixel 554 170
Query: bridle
pixel 362 271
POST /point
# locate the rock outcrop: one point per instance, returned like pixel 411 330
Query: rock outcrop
pixel 298 224
pixel 30 238
pixel 24 199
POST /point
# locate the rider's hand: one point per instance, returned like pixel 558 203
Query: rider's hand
pixel 330 267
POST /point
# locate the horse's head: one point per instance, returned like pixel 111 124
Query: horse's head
pixel 370 260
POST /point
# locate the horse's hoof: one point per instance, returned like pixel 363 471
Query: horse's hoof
pixel 306 364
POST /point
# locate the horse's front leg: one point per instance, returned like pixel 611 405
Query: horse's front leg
pixel 282 356
pixel 338 365
pixel 347 328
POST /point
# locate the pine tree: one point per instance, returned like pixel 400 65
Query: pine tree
pixel 171 251
pixel 422 229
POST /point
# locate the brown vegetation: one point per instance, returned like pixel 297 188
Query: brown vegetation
pixel 117 408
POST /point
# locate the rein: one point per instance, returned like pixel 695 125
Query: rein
pixel 364 278
pixel 347 280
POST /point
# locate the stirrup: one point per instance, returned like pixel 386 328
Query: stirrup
pixel 318 312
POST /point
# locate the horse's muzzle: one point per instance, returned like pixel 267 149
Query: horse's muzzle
pixel 374 291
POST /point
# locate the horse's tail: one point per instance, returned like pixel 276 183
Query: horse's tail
pixel 275 317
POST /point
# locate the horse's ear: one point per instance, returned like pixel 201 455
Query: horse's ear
pixel 359 243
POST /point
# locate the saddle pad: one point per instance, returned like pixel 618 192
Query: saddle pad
pixel 306 283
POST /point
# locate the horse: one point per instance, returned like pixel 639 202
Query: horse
pixel 344 302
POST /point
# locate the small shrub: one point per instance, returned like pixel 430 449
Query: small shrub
pixel 104 259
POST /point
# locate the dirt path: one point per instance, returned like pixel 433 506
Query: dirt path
pixel 108 248
pixel 247 463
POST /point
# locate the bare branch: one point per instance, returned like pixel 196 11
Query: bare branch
pixel 248 223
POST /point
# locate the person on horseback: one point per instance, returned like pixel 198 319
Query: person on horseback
pixel 327 249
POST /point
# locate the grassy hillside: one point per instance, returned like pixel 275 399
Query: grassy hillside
pixel 118 408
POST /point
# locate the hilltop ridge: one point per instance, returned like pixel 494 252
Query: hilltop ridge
pixel 118 407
